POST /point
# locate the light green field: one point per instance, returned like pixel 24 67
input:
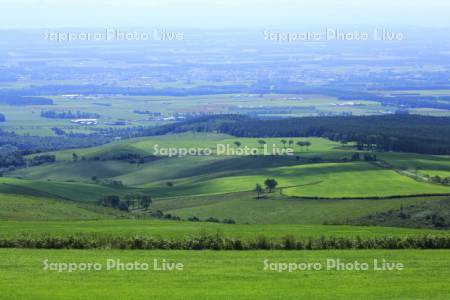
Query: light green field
pixel 359 180
pixel 354 179
pixel 224 275
pixel 425 165
pixel 145 146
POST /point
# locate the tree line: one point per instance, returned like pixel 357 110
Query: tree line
pixel 52 114
pixel 126 203
pixel 404 133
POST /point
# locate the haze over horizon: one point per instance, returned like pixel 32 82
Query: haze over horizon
pixel 220 13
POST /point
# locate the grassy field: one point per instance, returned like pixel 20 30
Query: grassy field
pixel 355 180
pixel 25 207
pixel 423 164
pixel 244 208
pixel 176 229
pixel 145 146
pixel 53 189
pixel 222 186
pixel 215 175
pixel 224 275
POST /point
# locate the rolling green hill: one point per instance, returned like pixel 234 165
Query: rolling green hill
pixel 145 146
pixel 80 171
pixel 245 208
pixel 21 207
pixel 324 180
pixel 431 165
pixel 323 170
pixel 53 189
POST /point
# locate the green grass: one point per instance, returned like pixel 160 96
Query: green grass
pixel 23 207
pixel 224 275
pixel 326 180
pixel 145 146
pixel 416 161
pixel 220 186
pixel 177 229
pixel 244 208
pixel 219 175
pixel 80 171
pixel 67 190
pixel 355 180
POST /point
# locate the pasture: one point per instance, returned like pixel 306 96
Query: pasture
pixel 224 275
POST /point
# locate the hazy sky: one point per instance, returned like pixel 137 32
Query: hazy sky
pixel 220 13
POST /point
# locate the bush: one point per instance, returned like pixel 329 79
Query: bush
pixel 123 206
pixel 228 221
pixel 212 220
pixel 205 241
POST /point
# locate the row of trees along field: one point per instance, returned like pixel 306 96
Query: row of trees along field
pixel 404 133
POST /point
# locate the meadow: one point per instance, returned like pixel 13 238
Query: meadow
pixel 244 208
pixel 311 172
pixel 178 230
pixel 317 185
pixel 224 275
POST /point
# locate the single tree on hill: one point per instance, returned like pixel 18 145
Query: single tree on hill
pixel 271 184
pixel 130 203
pixel 146 201
pixel 307 144
pixel 259 190
pixel 261 143
pixel 301 145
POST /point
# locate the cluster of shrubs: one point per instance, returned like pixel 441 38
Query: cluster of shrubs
pixel 132 158
pixel 41 159
pixel 218 242
pixel 212 220
pixel 438 221
pixel 161 215
pixel 439 180
pixel 129 202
